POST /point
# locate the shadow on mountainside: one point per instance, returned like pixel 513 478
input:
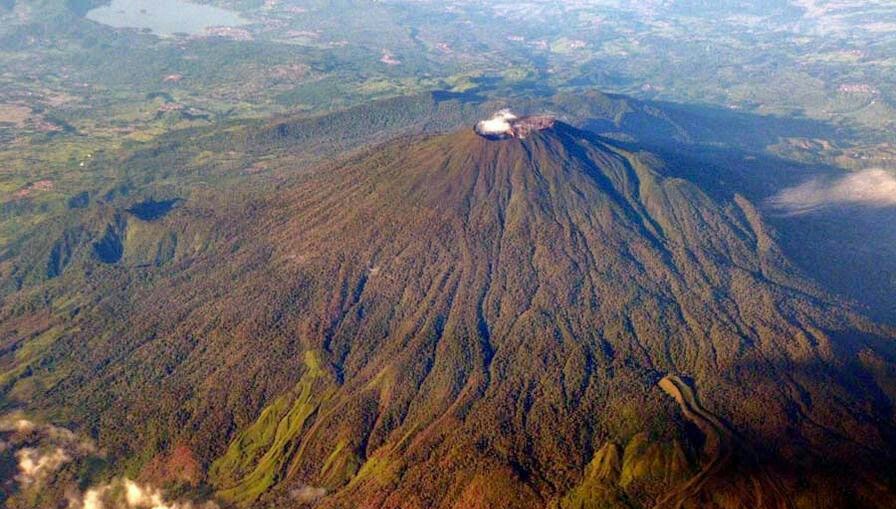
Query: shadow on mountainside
pixel 848 249
pixel 821 431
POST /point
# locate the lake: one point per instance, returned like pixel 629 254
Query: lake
pixel 164 17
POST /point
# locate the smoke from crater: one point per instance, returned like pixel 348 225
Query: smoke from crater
pixel 499 123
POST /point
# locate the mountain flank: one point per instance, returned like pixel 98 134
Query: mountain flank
pixel 452 321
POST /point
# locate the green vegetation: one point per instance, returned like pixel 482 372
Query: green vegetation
pixel 497 312
pixel 258 457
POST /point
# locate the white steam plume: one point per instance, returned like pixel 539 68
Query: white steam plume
pixel 873 188
pixel 500 123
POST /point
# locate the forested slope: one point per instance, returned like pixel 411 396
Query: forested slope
pixel 447 321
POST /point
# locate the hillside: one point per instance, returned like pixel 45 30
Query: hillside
pixel 448 321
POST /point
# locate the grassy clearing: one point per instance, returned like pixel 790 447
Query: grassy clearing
pixel 258 458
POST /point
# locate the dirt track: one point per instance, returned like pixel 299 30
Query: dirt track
pixel 718 448
pixel 726 457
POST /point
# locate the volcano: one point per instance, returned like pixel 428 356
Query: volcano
pixel 456 322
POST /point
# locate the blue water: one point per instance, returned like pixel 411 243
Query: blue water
pixel 164 17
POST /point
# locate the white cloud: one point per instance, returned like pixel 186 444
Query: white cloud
pixel 93 499
pixel 139 496
pixel 127 494
pixel 22 426
pixel 41 450
pixel 873 188
pixel 308 494
pixel 36 465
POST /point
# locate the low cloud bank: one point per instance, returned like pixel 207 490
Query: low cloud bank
pixel 873 188
pixel 36 465
pixel 126 494
pixel 40 450
pixel 42 453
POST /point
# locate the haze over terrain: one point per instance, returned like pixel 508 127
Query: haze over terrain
pixel 457 254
